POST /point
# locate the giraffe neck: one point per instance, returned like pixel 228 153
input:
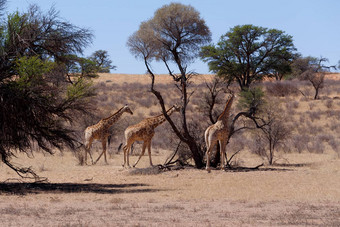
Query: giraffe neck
pixel 226 112
pixel 157 120
pixel 113 118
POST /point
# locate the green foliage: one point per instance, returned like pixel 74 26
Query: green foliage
pixel 80 90
pixel 249 53
pixel 102 61
pixel 34 33
pixel 88 68
pixel 31 70
pixel 83 67
pixel 252 100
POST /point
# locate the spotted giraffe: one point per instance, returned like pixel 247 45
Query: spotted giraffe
pixel 143 131
pixel 100 131
pixel 219 132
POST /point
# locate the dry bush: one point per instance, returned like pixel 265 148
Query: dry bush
pixel 314 115
pixel 281 88
pixel 329 103
pixel 316 146
pixel 298 142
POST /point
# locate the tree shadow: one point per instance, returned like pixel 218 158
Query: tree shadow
pixel 37 188
pixel 245 169
pixel 258 168
pixel 292 165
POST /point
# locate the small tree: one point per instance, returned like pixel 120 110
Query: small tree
pixel 248 53
pixel 175 34
pixel 264 118
pixel 102 61
pixel 273 133
pixel 312 70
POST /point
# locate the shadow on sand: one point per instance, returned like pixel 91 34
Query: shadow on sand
pixel 258 168
pixel 275 167
pixel 36 188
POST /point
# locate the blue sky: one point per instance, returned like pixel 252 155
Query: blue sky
pixel 314 24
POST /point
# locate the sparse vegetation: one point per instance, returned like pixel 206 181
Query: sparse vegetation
pixel 45 90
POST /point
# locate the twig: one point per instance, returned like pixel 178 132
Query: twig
pixel 24 171
pixel 167 162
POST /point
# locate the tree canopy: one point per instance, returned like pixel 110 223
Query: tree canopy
pixel 249 53
pixel 36 101
pixel 102 61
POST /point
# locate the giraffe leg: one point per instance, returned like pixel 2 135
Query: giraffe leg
pixel 106 139
pixel 103 152
pixel 222 153
pixel 87 150
pixel 127 156
pixel 143 151
pixel 90 157
pixel 126 149
pixel 212 144
pixel 149 151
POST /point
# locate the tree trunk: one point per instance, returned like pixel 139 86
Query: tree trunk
pixel 196 153
pixel 316 93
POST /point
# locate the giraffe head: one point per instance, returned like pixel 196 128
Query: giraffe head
pixel 127 109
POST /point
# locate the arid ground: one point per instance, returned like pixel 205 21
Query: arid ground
pixel 301 189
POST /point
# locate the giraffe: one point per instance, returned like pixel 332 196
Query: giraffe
pixel 218 132
pixel 143 131
pixel 100 131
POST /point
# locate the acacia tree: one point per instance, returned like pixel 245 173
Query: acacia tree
pixel 36 103
pixel 175 35
pixel 311 69
pixel 102 61
pixel 249 53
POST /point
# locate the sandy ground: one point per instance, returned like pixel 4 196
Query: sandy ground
pixel 299 193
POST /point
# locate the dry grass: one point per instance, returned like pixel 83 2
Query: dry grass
pixel 303 188
pixel 303 192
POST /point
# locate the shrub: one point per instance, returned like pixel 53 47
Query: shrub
pixel 314 115
pixel 329 103
pixel 316 146
pixel 281 88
